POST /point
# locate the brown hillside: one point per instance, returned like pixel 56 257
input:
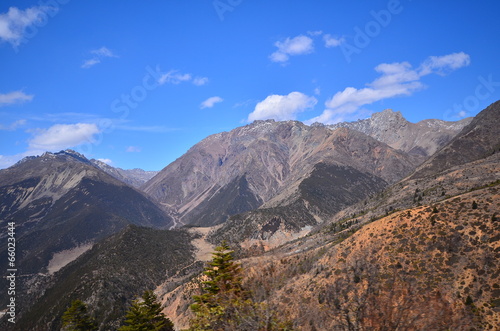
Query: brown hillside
pixel 433 267
pixel 424 268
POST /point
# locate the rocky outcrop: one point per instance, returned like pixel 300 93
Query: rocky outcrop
pixel 423 138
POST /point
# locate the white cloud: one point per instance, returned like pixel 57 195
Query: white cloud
pixel 210 102
pixel 90 63
pixel 445 64
pixel 99 54
pixel 290 47
pixel 13 24
pixel 133 149
pixel 63 136
pixel 331 41
pixel 107 161
pixel 282 107
pixel 173 77
pixel 14 97
pixel 103 52
pixel 199 81
pixel 397 79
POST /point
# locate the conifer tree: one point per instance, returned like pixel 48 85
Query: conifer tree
pixel 76 318
pixel 221 291
pixel 146 315
pixel 224 304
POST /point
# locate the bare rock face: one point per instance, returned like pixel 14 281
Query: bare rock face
pixel 423 138
pixel 265 161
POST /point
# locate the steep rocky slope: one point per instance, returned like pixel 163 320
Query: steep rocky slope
pixel 61 200
pixel 262 163
pixel 423 138
pixel 326 191
pixel 61 205
pixel 477 140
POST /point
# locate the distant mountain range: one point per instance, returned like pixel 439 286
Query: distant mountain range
pixel 132 177
pixel 80 224
pixel 271 158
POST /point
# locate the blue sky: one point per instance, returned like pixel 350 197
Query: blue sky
pixel 137 83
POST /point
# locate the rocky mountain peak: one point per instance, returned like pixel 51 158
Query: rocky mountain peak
pixel 388 116
pixel 421 139
pixel 68 154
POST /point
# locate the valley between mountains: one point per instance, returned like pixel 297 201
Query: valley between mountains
pixel 379 224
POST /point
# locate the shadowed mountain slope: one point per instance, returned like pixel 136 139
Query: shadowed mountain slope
pixel 109 276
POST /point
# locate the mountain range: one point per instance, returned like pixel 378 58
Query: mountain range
pixel 80 223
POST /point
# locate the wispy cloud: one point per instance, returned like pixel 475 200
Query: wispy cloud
pixel 103 123
pixel 144 128
pixel 133 149
pixel 199 81
pixel 67 117
pixel 13 126
pixel 331 41
pixel 396 79
pixel 210 102
pixel 97 56
pixel 175 77
pixel 291 47
pixel 443 65
pixel 14 97
pixel 282 107
pixel 315 33
pixel 14 22
pixel 103 52
pixel 62 136
pixel 90 63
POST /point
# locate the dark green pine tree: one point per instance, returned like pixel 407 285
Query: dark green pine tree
pixel 224 304
pixel 145 315
pixel 221 291
pixel 76 318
